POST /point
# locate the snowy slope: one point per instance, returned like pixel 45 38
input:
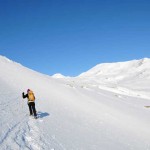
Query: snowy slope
pixel 88 112
pixel 129 78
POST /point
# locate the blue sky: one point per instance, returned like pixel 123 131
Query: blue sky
pixel 72 36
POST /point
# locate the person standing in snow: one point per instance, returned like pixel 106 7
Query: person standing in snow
pixel 31 102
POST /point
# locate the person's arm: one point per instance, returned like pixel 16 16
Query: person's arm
pixel 24 95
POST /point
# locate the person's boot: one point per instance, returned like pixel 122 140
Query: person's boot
pixel 35 117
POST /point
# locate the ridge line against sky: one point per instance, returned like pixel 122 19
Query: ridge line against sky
pixel 72 36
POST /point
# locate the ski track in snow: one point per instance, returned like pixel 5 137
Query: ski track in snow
pixel 24 134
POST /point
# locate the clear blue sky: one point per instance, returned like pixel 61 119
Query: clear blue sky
pixel 71 36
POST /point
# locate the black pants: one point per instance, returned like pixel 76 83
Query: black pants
pixel 32 108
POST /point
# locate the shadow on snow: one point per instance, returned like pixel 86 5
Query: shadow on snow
pixel 42 114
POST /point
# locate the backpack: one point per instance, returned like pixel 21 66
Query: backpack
pixel 31 96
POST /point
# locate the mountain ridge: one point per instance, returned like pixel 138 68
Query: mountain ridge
pixel 106 67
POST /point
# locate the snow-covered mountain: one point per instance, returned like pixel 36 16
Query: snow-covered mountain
pixel 120 70
pixel 58 75
pixel 102 109
pixel 131 77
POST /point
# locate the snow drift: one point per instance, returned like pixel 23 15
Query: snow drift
pixel 102 109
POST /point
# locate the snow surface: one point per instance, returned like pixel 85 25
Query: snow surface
pixel 58 75
pixel 102 109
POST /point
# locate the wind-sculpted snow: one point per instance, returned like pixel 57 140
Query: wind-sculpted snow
pixel 101 110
